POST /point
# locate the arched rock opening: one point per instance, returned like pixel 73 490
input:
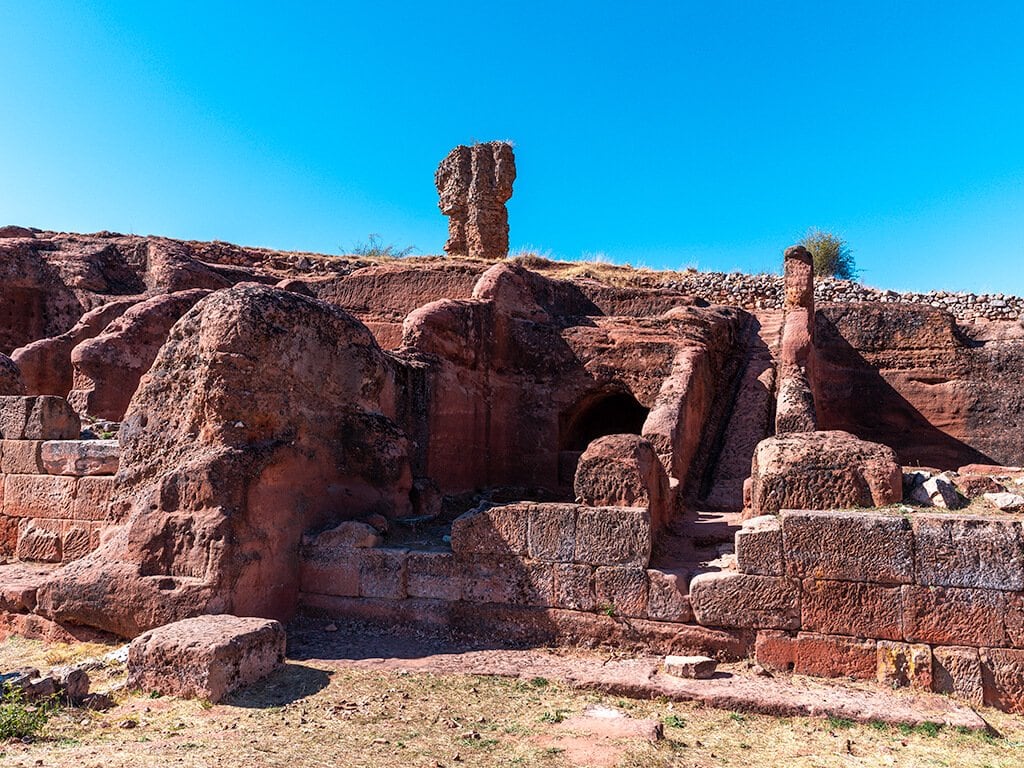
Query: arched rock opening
pixel 597 414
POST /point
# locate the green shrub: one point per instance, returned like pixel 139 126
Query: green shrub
pixel 833 256
pixel 20 719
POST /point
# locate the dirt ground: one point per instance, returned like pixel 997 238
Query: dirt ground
pixel 326 712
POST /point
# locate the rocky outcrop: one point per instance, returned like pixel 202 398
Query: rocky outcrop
pixel 46 363
pixel 266 415
pixel 941 395
pixel 474 183
pixel 107 368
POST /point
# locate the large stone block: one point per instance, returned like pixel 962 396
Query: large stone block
pixel 21 457
pixel 952 616
pixel 574 587
pixel 904 664
pixel 552 532
pixel 613 536
pixel 957 670
pixel 39 496
pixel 759 547
pixel 823 470
pixel 433 574
pixel 726 599
pixel 1002 673
pixel 93 498
pixel 509 582
pixel 44 417
pixel 206 657
pixel 849 546
pixel 776 650
pixel 667 597
pixel 621 591
pixel 329 572
pixel 39 541
pixel 624 471
pixel 835 656
pixel 968 551
pixel 852 608
pixel 80 457
pixel 494 531
pixel 382 572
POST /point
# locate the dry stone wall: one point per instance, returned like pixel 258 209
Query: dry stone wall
pixel 768 292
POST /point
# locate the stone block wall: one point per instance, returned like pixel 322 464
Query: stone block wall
pixel 54 497
pixel 932 601
pixel 561 556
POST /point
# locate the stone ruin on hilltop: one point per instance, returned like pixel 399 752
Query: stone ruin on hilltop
pixel 194 428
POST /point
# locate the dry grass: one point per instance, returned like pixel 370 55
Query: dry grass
pixel 317 714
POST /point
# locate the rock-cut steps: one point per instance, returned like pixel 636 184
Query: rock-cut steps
pixel 750 419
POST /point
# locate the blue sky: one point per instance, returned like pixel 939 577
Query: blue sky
pixel 664 134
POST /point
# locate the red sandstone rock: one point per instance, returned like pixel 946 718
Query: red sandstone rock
pixel 38 418
pixel 21 457
pixel 107 368
pixel 969 551
pixel 624 471
pixel 11 380
pixel 80 457
pixel 957 670
pixel 948 616
pixel 821 470
pixel 667 597
pixel 851 546
pixel 909 377
pixel 851 608
pixel 207 657
pixel 726 599
pixel 238 419
pixel 46 363
pixel 474 183
pixel 835 656
pixel 621 590
pixel 759 546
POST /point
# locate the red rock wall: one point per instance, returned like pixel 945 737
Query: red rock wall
pixel 938 394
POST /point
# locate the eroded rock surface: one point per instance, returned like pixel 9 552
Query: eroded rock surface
pixel 264 416
pixel 474 183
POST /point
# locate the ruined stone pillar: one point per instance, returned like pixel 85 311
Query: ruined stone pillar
pixel 474 183
pixel 795 403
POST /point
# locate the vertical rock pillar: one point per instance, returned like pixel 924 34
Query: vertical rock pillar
pixel 795 403
pixel 474 183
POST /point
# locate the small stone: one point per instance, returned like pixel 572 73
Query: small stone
pixel 694 667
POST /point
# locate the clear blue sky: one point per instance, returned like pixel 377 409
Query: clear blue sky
pixel 666 134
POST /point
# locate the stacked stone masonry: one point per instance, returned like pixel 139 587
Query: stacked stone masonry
pixel 927 600
pixel 768 292
pixel 54 493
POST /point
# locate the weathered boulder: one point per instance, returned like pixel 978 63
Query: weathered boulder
pixel 1008 502
pixel 46 363
pixel 624 471
pixel 80 457
pixel 107 368
pixel 822 470
pixel 474 183
pixel 937 491
pixel 206 657
pixel 266 414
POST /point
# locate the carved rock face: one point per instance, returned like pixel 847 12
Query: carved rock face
pixel 474 183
